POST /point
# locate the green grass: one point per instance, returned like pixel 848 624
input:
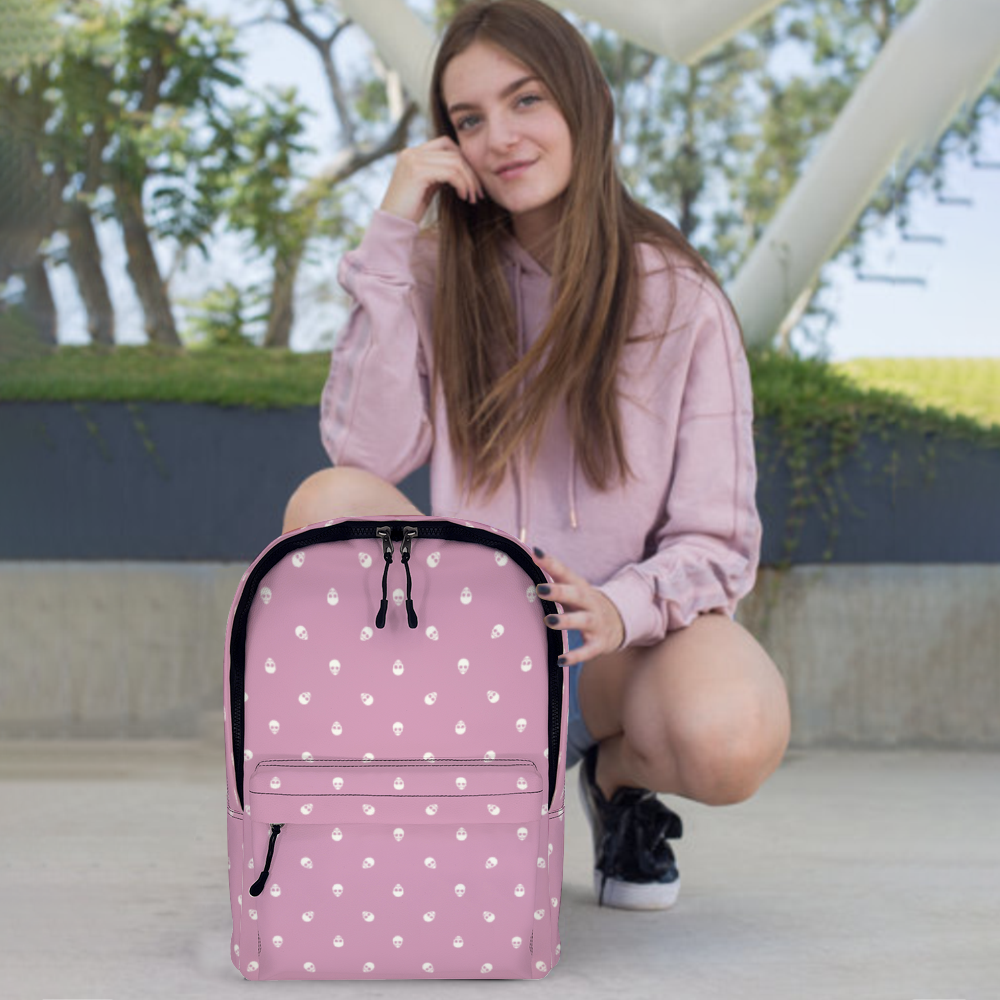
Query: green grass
pixel 954 395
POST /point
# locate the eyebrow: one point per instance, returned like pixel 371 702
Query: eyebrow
pixel 507 91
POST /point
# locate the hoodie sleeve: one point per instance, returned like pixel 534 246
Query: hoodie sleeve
pixel 708 544
pixel 374 410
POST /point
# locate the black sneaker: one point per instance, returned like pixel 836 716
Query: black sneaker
pixel 634 866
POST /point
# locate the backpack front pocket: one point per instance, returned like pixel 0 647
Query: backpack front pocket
pixel 394 869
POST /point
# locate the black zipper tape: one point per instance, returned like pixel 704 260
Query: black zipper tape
pixel 430 528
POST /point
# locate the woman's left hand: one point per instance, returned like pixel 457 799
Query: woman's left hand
pixel 585 608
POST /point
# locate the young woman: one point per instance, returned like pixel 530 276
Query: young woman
pixel 576 375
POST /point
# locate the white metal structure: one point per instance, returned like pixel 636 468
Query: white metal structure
pixel 938 62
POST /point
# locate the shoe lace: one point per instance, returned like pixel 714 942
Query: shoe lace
pixel 638 827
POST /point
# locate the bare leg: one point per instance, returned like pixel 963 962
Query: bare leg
pixel 339 491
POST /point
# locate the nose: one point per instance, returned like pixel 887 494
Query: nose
pixel 503 134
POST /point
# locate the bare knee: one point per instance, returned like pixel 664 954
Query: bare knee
pixel 341 490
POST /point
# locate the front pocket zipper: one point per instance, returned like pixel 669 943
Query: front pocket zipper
pixel 403 865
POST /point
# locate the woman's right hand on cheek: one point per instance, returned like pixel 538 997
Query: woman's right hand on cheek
pixel 421 170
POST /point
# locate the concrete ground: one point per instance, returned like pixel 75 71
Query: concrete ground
pixel 849 874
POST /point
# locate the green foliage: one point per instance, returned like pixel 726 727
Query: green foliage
pixel 223 317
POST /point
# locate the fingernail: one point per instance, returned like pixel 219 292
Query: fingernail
pixel 552 620
pixel 562 661
pixel 538 552
pixel 542 588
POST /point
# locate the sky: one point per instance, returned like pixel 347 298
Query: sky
pixel 955 313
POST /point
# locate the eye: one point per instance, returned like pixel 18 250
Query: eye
pixel 460 125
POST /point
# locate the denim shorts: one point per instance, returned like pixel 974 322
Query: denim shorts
pixel 578 740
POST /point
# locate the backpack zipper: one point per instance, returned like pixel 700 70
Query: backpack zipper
pixel 258 887
pixel 385 533
pixel 366 529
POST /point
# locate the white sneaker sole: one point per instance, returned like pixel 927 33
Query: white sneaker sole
pixel 629 895
pixel 637 895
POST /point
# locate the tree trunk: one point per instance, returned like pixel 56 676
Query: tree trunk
pixel 143 268
pixel 85 261
pixel 39 303
pixel 282 311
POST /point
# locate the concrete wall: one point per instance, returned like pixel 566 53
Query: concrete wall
pixel 874 655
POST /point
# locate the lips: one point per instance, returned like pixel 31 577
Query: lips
pixel 513 166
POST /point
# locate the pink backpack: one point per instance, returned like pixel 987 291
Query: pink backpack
pixel 395 758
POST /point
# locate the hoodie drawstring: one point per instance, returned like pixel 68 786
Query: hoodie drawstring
pixel 523 500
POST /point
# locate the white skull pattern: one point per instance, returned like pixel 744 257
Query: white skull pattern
pixel 429 916
pixel 304 698
pixel 365 559
pixel 466 596
pixel 277 940
pixel 398 596
pixel 488 917
pixel 497 632
pixel 460 727
pixel 432 633
pixel 458 942
pixel 298 558
pixel 519 890
pixel 337 833
pixel 397 728
pixel 337 891
pixel 501 557
pixel 399 784
pixel 460 890
pixel 399 833
pixel 270 666
pixel 461 783
pixel 493 810
pixel 397 890
pixel 460 833
pixel 338 782
pixel 274 726
pixel 463 665
pixel 521 724
pixel 338 942
pixel 430 698
pixel 366 633
pixel 300 632
pixel 335 667
pixel 492 697
pixel 366 699
pixel 368 863
pixel 433 559
pixel 276 782
pixel 265 594
pixel 397 668
pixel 526 664
pixel 531 594
pixel 332 597
pixel 306 862
pixel 336 729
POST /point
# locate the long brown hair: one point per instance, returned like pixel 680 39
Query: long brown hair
pixel 595 275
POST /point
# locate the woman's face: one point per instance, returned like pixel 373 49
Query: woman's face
pixel 500 125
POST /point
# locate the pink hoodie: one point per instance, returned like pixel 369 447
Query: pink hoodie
pixel 681 540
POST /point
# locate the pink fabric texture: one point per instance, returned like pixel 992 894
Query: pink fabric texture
pixel 408 768
pixel 680 540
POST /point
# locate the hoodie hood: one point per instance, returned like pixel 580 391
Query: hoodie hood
pixel 528 277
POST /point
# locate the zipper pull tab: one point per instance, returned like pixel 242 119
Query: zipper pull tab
pixel 385 533
pixel 258 887
pixel 409 533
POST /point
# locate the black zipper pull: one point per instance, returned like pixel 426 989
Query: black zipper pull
pixel 258 887
pixel 385 534
pixel 409 533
